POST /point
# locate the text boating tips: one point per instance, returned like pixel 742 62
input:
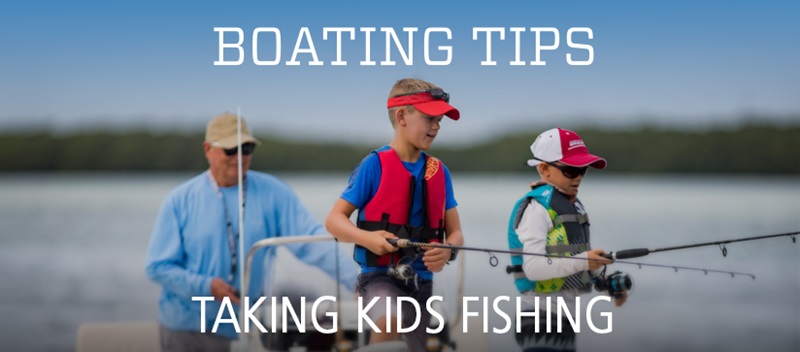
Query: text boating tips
pixel 334 45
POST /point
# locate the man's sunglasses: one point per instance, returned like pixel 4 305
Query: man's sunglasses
pixel 436 93
pixel 247 149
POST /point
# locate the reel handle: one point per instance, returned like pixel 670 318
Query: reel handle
pixel 627 253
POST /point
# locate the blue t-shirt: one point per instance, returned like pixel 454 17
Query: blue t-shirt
pixel 363 185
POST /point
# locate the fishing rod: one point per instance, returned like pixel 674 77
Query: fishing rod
pixel 493 261
pixel 641 252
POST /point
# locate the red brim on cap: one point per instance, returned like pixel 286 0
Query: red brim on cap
pixel 438 107
pixel 582 160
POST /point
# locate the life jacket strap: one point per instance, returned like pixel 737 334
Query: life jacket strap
pixel 580 219
pixel 413 233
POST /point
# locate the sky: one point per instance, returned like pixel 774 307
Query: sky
pixel 79 65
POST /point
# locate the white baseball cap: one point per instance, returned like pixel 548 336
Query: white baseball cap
pixel 566 146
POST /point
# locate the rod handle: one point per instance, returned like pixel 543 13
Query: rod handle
pixel 627 253
pixel 398 242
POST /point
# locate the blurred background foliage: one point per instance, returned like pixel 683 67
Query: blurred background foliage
pixel 747 149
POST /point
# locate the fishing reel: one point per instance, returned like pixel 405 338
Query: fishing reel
pixel 615 284
pixel 402 270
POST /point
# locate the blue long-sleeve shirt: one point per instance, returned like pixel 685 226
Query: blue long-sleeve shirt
pixel 190 244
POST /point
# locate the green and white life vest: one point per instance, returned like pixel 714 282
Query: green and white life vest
pixel 569 236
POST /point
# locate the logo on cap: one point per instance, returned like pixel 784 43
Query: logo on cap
pixel 575 143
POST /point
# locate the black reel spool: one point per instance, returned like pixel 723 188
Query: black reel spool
pixel 615 284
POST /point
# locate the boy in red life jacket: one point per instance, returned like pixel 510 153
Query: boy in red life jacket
pixel 401 192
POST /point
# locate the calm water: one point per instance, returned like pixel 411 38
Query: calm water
pixel 72 251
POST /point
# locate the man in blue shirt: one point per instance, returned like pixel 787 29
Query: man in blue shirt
pixel 194 248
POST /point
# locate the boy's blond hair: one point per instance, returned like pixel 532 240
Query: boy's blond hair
pixel 403 86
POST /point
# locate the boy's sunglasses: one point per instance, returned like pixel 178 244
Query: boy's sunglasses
pixel 247 149
pixel 570 171
pixel 436 93
pixel 566 170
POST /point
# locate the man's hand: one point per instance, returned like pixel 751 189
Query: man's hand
pixel 221 289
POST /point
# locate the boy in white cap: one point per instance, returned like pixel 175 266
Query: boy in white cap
pixel 551 220
pixel 401 192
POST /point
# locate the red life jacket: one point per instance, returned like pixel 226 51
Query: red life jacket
pixel 390 209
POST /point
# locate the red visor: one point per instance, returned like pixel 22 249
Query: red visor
pixel 425 103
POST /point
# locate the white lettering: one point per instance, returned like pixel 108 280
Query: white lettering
pixel 338 31
pixel 502 314
pixel 222 46
pixel 609 317
pixel 226 305
pixel 488 31
pixel 332 315
pixel 277 33
pixel 304 34
pixel 437 50
pixel 517 61
pixel 249 316
pixel 400 300
pixel 391 36
pixel 586 47
pixel 534 314
pixel 434 314
pixel 548 304
pixel 446 48
pixel 203 300
pixel 299 321
pixel 367 49
pixel 466 313
pixel 574 322
pixel 540 47
pixel 362 314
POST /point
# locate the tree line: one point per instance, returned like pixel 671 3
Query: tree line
pixel 747 149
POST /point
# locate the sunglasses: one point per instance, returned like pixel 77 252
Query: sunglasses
pixel 247 149
pixel 436 93
pixel 570 171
